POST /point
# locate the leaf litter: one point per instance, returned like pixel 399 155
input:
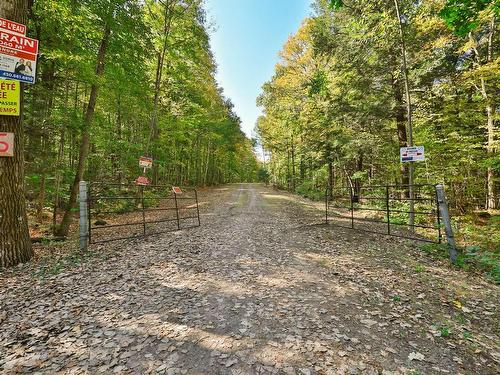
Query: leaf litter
pixel 255 290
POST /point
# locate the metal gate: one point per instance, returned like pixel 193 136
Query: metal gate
pixel 384 209
pixel 121 211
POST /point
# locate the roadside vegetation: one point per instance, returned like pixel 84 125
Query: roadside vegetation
pixel 337 109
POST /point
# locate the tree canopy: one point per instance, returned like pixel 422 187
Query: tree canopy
pixel 335 109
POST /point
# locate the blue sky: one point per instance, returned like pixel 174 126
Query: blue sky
pixel 248 36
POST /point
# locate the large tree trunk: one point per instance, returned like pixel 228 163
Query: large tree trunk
pixel 15 243
pixel 85 142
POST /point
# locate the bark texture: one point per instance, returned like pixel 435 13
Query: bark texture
pixel 15 243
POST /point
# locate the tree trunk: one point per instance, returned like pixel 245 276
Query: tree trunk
pixel 490 111
pixel 41 198
pixel 155 131
pixel 85 142
pixel 357 182
pixel 399 115
pixel 408 115
pixel 59 168
pixel 15 243
pixel 490 180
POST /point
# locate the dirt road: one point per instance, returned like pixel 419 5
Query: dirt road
pixel 261 288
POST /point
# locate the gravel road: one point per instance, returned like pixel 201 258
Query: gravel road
pixel 262 287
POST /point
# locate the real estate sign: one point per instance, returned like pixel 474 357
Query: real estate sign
pixel 18 53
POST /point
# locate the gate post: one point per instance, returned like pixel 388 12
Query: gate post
pixel 445 215
pixel 177 212
pixel 197 207
pixel 84 220
pixel 326 205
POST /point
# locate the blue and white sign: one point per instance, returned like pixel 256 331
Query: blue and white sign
pixel 415 153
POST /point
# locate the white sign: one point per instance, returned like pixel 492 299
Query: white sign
pixel 415 153
pixel 18 53
pixel 145 162
pixel 6 144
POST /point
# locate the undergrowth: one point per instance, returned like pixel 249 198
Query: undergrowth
pixel 469 258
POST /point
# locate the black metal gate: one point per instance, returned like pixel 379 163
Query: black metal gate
pixel 385 209
pixel 121 211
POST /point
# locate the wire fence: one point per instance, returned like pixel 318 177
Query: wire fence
pixel 122 211
pixel 385 209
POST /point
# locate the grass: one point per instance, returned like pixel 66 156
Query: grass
pixel 445 331
pixel 419 268
pixel 469 258
pixel 467 335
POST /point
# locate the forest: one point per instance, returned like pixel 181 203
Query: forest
pixel 143 232
pixel 336 110
pixel 117 80
pixel 121 79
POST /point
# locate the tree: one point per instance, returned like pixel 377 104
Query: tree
pixel 110 11
pixel 15 243
pixel 351 101
pixel 89 115
pixel 463 15
pixel 100 92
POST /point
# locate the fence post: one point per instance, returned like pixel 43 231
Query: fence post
pixel 197 206
pixel 445 216
pixel 84 230
pixel 177 212
pixel 326 204
pixel 143 212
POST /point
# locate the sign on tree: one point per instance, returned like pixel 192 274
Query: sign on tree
pixel 10 93
pixel 18 53
pixel 7 144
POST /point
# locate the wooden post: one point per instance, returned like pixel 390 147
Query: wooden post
pixel 445 216
pixel 177 212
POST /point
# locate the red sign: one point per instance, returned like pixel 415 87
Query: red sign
pixel 18 42
pixel 7 144
pixel 12 26
pixel 142 180
pixel 176 190
pixel 145 162
pixel 18 56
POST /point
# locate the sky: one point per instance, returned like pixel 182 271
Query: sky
pixel 247 39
